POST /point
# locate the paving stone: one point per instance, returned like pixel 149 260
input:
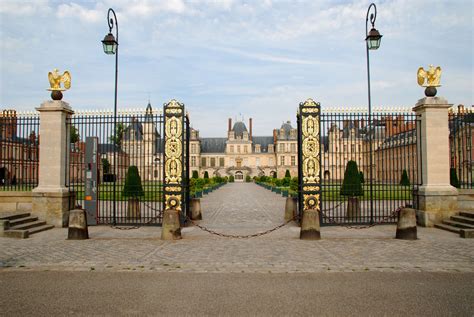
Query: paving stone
pixel 241 208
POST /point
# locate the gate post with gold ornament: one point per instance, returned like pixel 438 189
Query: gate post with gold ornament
pixel 309 169
pixel 173 190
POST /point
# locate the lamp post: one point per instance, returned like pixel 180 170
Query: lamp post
pixel 372 41
pixel 110 44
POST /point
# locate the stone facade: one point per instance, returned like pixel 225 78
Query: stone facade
pixel 242 154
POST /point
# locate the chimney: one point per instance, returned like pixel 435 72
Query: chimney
pixel 275 136
pixel 230 125
pixel 250 131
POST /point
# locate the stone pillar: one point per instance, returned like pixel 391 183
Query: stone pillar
pixel 50 199
pixel 290 208
pixel 170 228
pixel 310 228
pixel 406 225
pixel 437 199
pixel 195 206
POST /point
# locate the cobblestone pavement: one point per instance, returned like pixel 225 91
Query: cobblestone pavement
pixel 241 208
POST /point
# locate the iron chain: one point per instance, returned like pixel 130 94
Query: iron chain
pixel 225 235
pixel 362 227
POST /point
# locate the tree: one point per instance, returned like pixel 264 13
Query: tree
pixel 74 134
pixel 405 181
pixel 116 138
pixel 133 183
pixel 287 173
pixel 352 187
pixel 453 178
pixel 231 178
pixel 206 175
pixel 274 174
pixel 294 184
pixel 133 190
pixel 248 179
pixel 362 179
pixel 106 166
pixel 195 174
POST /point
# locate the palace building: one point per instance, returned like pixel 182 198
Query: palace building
pixel 242 154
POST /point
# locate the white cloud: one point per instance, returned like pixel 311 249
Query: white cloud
pixel 74 10
pixel 23 8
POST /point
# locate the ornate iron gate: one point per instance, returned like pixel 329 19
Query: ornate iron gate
pixel 138 140
pixel 344 137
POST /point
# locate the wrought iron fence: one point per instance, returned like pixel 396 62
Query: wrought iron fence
pixel 385 166
pixel 19 150
pixel 461 135
pixel 137 141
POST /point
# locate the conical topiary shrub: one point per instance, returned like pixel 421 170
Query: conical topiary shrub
pixel 195 174
pixel 404 181
pixel 206 175
pixel 133 190
pixel 352 188
pixel 287 173
pixel 453 178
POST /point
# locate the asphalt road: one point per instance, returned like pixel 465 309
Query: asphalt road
pixel 37 293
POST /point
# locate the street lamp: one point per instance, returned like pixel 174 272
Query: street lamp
pixel 110 44
pixel 372 41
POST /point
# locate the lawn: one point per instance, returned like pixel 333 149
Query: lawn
pixel 153 191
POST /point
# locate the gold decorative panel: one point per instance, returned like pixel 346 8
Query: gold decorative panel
pixel 173 160
pixel 310 156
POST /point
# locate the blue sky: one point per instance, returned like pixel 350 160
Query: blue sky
pixel 226 58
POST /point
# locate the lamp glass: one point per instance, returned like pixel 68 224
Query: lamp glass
pixel 373 42
pixel 110 47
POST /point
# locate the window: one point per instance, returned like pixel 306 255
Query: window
pixel 155 173
pixel 238 148
pixel 293 161
pixel 203 161
pixel 193 161
pixel 231 149
pixel 282 160
pixel 353 148
pixel 193 148
pixel 221 161
pixel 282 147
pixel 245 149
pixel 257 148
pixel 293 147
pixel 213 161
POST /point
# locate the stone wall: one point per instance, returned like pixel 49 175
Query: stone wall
pixel 466 199
pixel 15 201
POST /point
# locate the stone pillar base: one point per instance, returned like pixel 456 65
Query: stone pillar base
pixel 436 203
pixel 406 226
pixel 51 206
pixel 171 229
pixel 310 229
pixel 77 229
pixel 290 208
pixel 195 206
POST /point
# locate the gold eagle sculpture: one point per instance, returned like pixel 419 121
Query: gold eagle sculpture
pixel 432 76
pixel 55 80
